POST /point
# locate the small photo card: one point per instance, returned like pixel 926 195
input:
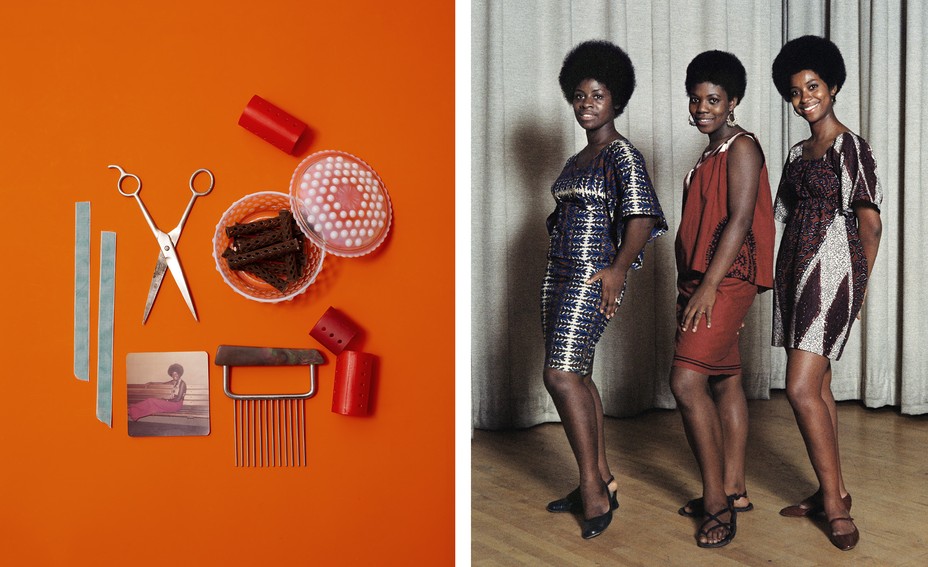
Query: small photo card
pixel 167 393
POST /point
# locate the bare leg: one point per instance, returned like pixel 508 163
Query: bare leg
pixel 704 433
pixel 604 471
pixel 577 408
pixel 833 411
pixel 733 412
pixel 805 377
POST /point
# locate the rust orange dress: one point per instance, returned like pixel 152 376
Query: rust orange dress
pixel 714 351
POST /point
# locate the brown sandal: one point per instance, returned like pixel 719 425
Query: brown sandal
pixel 812 506
pixel 844 542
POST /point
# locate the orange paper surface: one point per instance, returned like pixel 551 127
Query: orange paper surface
pixel 158 87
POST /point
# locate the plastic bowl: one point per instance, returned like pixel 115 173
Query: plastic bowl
pixel 257 206
pixel 340 203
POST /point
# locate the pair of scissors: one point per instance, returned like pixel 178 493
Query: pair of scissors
pixel 167 241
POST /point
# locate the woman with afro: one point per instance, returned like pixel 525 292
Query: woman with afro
pixel 724 253
pixel 829 198
pixel 174 401
pixel 606 212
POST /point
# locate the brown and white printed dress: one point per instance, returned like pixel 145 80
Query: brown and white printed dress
pixel 821 268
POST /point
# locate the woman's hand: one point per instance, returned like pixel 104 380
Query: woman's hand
pixel 745 161
pixel 700 304
pixel 613 281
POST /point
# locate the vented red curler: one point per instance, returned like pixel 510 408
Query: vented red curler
pixel 272 124
pixel 354 372
pixel 334 330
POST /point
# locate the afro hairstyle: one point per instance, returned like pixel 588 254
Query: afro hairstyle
pixel 719 68
pixel 175 368
pixel 604 62
pixel 808 52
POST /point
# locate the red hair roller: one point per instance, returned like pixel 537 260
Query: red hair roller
pixel 272 124
pixel 353 374
pixel 334 330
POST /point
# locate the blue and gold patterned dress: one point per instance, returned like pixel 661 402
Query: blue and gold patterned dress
pixel 585 230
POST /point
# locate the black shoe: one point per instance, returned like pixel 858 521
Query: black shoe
pixel 573 504
pixel 696 509
pixel 595 526
pixel 570 503
pixel 730 527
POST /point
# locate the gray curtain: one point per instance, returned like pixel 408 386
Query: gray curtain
pixel 523 131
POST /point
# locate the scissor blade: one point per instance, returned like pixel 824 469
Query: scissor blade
pixel 170 257
pixel 156 280
pixel 178 273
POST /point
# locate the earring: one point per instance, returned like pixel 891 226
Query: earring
pixel 691 122
pixel 731 120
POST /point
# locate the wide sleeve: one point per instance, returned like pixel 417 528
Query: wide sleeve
pixel 785 201
pixel 857 170
pixel 627 178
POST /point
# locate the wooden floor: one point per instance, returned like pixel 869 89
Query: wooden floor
pixel 884 456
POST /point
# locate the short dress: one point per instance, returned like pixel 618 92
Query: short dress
pixel 714 351
pixel 821 269
pixel 585 232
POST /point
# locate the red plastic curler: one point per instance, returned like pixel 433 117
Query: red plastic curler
pixel 272 124
pixel 354 372
pixel 334 330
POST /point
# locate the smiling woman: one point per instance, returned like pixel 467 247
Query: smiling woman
pixel 519 126
pixel 724 253
pixel 829 199
pixel 606 212
pixel 593 105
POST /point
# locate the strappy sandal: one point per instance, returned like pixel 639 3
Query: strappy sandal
pixel 730 526
pixel 696 509
pixel 574 504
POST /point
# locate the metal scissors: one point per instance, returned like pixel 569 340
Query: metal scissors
pixel 167 256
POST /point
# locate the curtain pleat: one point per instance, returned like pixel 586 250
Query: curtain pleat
pixel 910 270
pixel 523 130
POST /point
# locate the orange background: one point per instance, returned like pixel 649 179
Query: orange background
pixel 158 87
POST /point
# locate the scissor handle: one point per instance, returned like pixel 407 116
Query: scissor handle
pixel 151 223
pixel 212 181
pixel 175 232
pixel 123 175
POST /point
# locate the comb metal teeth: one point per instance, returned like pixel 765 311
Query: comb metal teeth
pixel 269 432
pixel 269 429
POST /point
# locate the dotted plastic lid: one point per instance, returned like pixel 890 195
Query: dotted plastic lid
pixel 340 203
